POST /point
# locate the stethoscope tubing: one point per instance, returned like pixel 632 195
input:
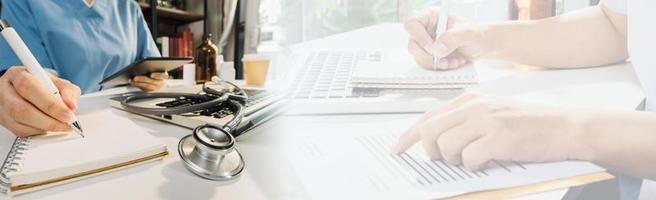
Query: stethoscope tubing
pixel 126 103
pixel 234 101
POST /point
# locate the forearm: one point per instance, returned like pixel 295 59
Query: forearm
pixel 623 141
pixel 584 38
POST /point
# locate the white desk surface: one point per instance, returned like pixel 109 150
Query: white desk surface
pixel 270 175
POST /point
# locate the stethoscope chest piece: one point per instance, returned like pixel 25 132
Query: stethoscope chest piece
pixel 209 152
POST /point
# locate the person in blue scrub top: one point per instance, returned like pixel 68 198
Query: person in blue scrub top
pixel 80 42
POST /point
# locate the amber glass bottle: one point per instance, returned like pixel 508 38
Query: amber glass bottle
pixel 206 60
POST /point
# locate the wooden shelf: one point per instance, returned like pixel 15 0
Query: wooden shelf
pixel 172 15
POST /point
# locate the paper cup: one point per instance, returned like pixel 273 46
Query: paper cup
pixel 256 68
pixel 189 74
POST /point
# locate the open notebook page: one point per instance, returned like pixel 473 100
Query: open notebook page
pixel 396 66
pixel 109 139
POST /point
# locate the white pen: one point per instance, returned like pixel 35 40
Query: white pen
pixel 441 26
pixel 27 58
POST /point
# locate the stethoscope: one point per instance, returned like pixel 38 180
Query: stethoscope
pixel 209 151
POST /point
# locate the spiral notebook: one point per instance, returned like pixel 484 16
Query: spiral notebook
pixel 396 69
pixel 111 142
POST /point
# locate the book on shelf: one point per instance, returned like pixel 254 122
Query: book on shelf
pixel 178 45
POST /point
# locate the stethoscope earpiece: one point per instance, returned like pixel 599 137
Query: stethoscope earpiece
pixel 209 152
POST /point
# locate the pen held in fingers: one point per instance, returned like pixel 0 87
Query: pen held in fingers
pixel 441 26
pixel 22 51
pixel 436 62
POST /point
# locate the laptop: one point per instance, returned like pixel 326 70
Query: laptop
pixel 319 84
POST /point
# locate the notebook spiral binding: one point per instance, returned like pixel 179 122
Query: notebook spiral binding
pixel 11 162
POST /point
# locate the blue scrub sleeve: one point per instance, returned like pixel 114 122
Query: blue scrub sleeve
pixel 146 45
pixel 19 16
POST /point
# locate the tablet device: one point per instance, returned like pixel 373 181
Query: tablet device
pixel 144 67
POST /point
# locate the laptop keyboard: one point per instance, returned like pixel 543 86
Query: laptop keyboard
pixel 326 74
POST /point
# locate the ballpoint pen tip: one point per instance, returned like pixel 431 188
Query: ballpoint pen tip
pixel 76 127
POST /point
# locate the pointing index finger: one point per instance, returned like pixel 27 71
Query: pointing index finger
pixel 441 115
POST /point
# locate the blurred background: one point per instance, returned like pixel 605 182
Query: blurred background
pixel 260 26
pixel 270 25
pixel 284 22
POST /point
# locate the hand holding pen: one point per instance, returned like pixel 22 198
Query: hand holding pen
pixel 32 101
pixel 27 108
pixel 442 42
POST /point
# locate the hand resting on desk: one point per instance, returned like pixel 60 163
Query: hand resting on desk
pixel 28 108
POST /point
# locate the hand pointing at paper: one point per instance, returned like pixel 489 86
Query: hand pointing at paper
pixel 473 130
